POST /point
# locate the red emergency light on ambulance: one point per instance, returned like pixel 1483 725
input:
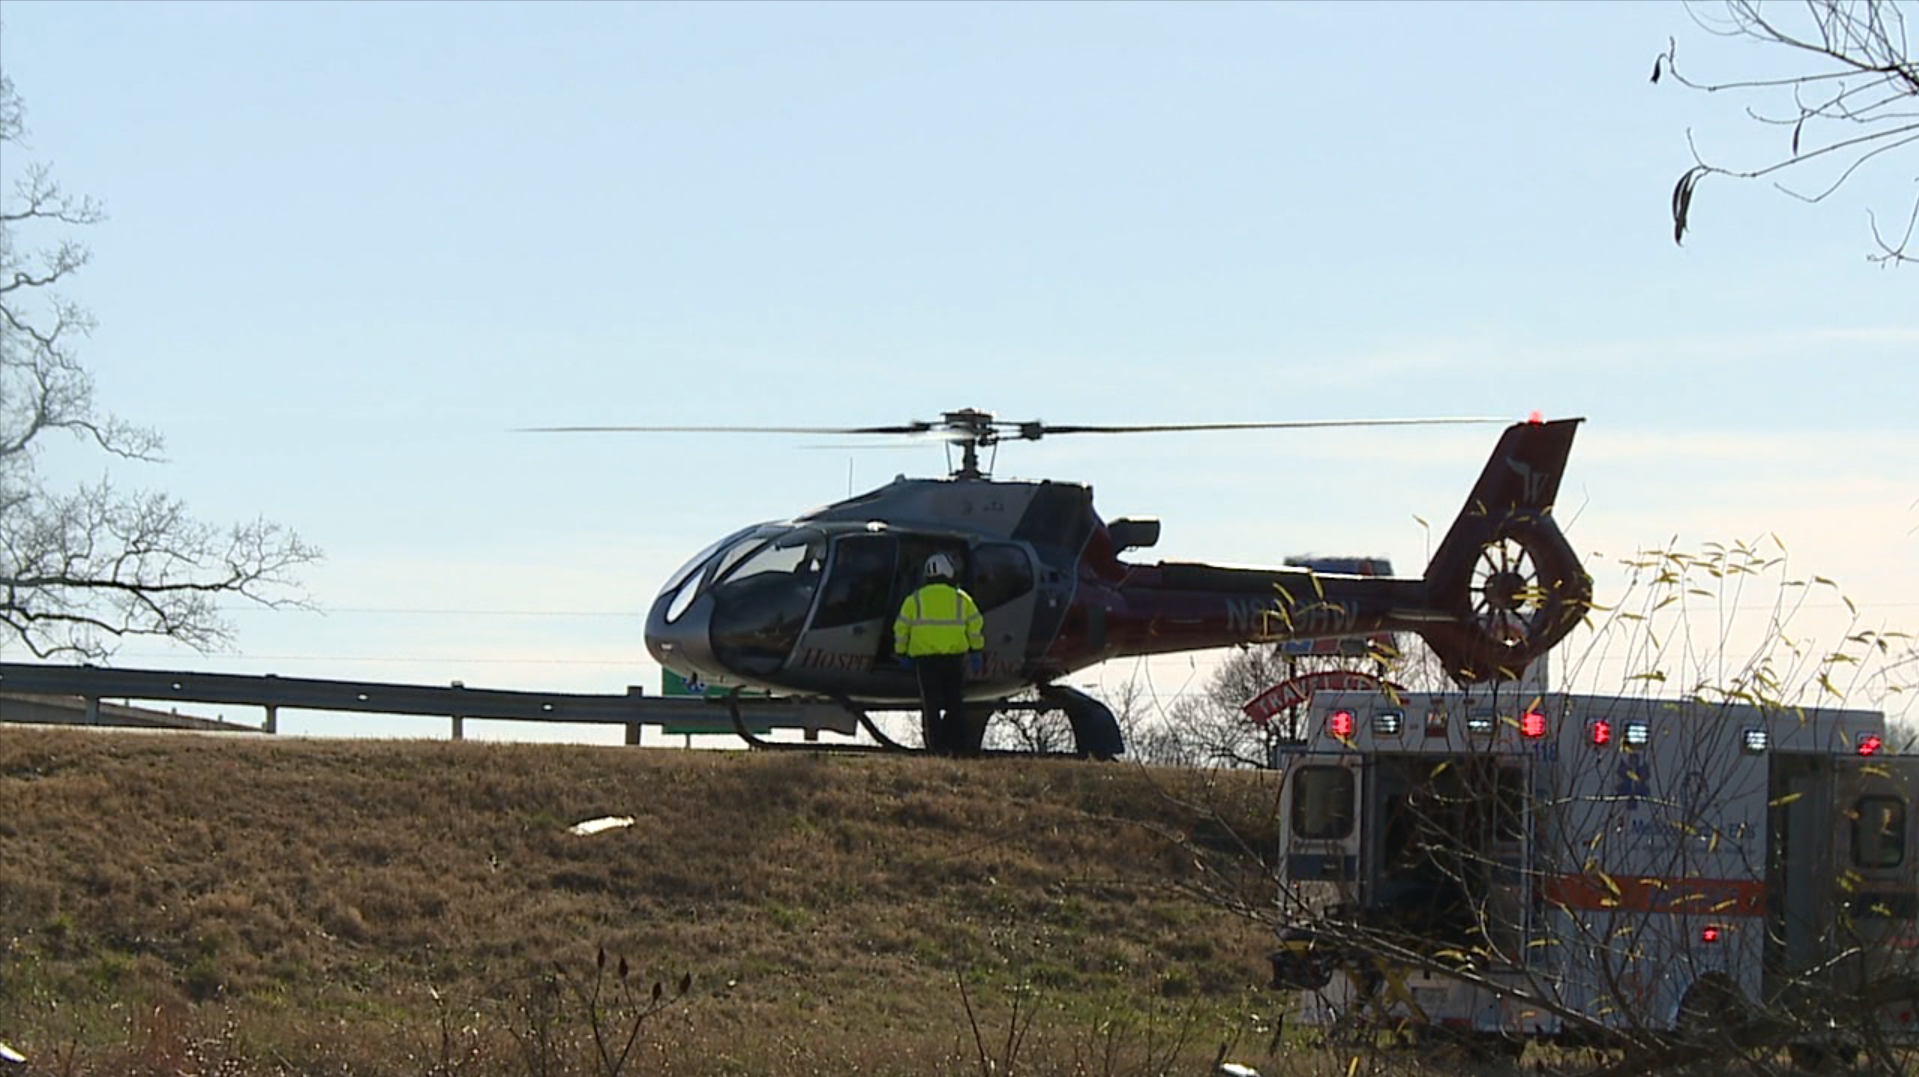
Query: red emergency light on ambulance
pixel 1560 864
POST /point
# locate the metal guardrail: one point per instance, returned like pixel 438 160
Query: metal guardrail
pixel 457 702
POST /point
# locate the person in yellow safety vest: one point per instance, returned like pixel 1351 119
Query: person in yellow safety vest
pixel 939 628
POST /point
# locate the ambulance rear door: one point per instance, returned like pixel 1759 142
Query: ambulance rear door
pixel 1842 893
pixel 1321 828
pixel 1875 891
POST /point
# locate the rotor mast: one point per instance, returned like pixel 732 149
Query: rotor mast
pixel 971 428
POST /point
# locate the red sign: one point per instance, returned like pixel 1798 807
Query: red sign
pixel 1296 690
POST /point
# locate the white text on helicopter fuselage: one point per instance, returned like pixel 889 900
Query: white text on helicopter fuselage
pixel 815 658
pixel 1265 619
pixel 842 662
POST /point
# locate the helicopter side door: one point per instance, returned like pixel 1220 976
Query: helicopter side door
pixel 909 573
pixel 848 644
pixel 999 576
pixel 851 635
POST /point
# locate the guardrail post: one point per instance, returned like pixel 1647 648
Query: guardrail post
pixel 459 723
pixel 93 710
pixel 633 691
pixel 273 720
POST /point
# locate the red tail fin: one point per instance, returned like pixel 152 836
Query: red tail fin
pixel 1504 570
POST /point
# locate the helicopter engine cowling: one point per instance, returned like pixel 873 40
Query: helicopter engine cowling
pixel 1133 534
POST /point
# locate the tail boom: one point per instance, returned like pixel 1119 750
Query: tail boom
pixel 1504 587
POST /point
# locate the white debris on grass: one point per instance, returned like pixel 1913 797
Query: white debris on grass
pixel 11 1056
pixel 1234 1069
pixel 604 822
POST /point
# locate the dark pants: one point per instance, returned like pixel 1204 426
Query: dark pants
pixel 942 703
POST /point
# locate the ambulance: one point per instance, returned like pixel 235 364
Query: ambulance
pixel 1567 866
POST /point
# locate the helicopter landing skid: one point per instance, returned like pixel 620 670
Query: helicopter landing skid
pixel 886 744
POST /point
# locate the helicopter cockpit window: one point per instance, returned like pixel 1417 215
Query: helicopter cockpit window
pixel 739 551
pixel 688 588
pixel 761 601
pixel 1001 572
pixel 698 561
pixel 686 581
pixel 784 556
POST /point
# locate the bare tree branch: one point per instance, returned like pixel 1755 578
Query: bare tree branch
pixel 82 570
pixel 1857 100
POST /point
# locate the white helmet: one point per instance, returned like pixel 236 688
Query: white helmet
pixel 941 567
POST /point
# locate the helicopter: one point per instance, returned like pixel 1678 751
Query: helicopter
pixel 804 606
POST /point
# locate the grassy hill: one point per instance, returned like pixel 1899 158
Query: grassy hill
pixel 227 904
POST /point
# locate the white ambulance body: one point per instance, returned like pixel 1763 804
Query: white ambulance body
pixel 1580 863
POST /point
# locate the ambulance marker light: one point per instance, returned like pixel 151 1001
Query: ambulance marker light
pixel 1340 724
pixel 1755 741
pixel 1710 933
pixel 1870 744
pixel 1599 732
pixel 1638 734
pixel 1481 724
pixel 1532 724
pixel 1387 723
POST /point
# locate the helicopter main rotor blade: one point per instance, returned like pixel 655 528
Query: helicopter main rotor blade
pixel 993 429
pixel 910 428
pixel 973 430
pixel 1036 430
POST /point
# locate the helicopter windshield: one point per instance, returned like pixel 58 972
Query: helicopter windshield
pixel 686 583
pixel 788 553
pixel 698 561
pixel 762 589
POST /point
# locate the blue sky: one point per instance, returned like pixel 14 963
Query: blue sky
pixel 351 247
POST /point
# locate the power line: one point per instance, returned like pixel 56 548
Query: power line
pixel 443 659
pixel 432 612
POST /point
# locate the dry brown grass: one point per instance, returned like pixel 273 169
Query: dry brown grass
pixel 217 904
